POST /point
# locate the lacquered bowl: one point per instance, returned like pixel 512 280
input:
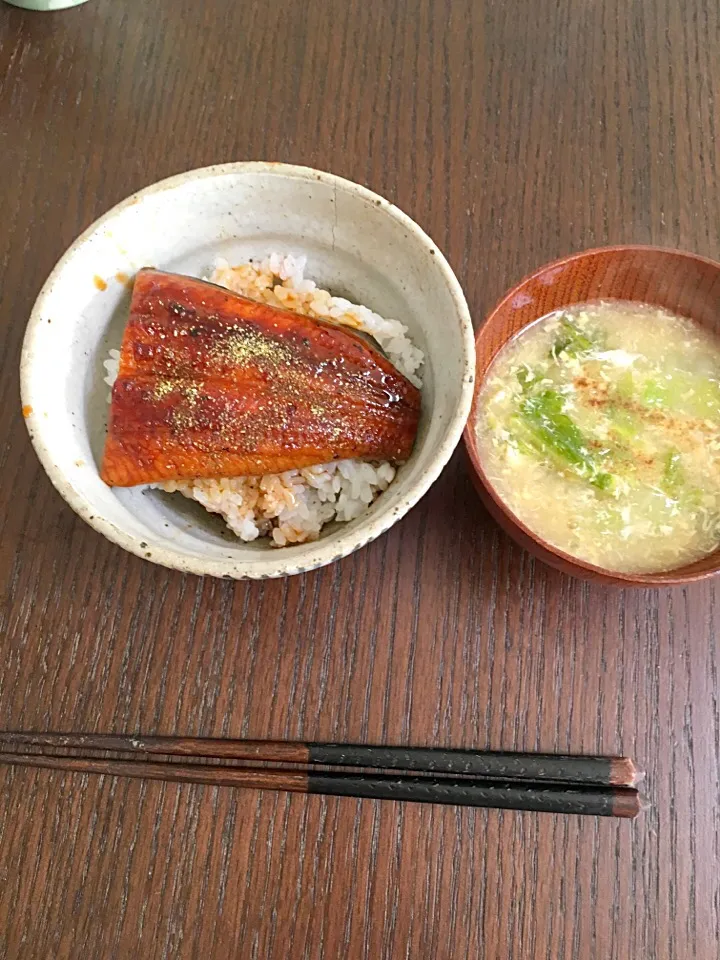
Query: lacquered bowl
pixel 681 282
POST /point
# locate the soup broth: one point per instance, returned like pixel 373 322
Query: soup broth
pixel 599 427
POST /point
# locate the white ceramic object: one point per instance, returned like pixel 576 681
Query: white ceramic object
pixel 357 245
pixel 45 5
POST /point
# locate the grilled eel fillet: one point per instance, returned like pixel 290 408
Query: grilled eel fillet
pixel 212 384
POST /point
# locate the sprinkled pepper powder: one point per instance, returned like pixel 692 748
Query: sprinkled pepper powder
pixel 212 384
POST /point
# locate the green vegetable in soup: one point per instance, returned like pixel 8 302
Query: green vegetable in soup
pixel 526 378
pixel 680 392
pixel 673 476
pixel 571 341
pixel 553 428
pixel 624 426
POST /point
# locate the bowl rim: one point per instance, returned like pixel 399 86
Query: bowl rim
pixel 581 568
pixel 314 553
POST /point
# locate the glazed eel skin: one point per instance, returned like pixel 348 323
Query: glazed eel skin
pixel 212 384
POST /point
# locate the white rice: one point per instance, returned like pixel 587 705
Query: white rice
pixel 292 507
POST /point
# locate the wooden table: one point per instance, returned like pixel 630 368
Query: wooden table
pixel 514 131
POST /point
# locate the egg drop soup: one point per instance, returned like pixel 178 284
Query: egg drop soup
pixel 599 427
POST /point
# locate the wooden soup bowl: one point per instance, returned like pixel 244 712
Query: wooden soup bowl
pixel 680 282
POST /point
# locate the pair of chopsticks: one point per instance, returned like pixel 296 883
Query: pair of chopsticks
pixel 549 783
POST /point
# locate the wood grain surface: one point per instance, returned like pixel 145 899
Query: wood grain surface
pixel 514 131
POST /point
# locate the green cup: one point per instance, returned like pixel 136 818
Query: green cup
pixel 45 4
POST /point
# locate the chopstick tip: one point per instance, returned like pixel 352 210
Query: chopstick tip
pixel 624 773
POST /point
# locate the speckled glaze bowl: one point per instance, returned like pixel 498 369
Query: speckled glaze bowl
pixel 357 244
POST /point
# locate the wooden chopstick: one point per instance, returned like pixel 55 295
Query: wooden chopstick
pixel 510 795
pixel 533 767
